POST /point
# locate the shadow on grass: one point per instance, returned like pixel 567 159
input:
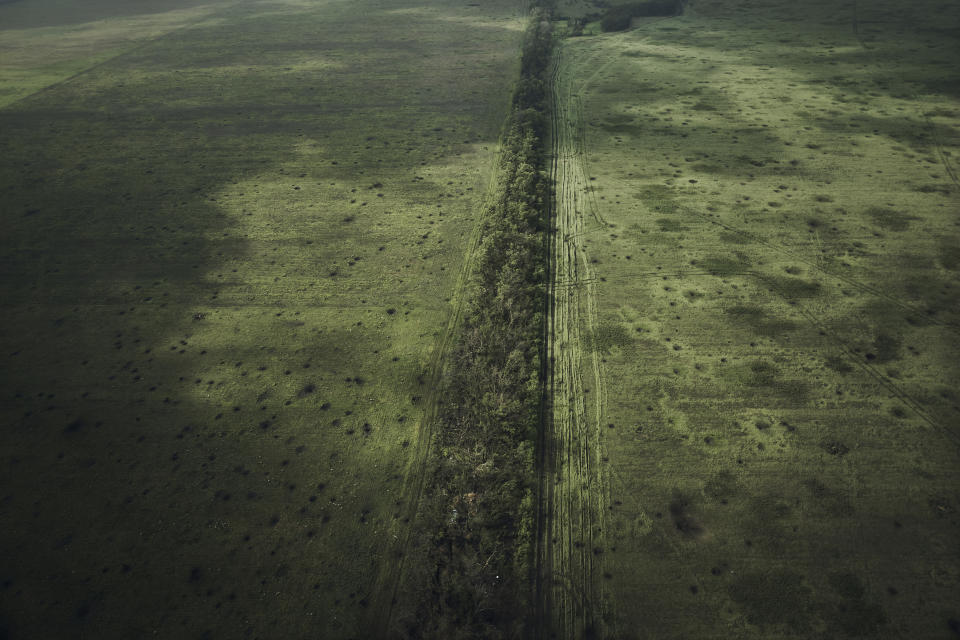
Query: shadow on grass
pixel 186 437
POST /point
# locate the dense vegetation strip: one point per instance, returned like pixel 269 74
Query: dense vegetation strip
pixel 471 574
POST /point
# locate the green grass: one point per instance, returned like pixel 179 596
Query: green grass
pixel 778 199
pixel 232 247
pixel 48 41
pixel 230 253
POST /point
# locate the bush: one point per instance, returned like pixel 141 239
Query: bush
pixel 474 575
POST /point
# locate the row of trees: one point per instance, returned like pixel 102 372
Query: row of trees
pixel 473 565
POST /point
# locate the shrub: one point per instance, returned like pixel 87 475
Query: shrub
pixel 478 511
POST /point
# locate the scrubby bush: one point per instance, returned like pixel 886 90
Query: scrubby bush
pixel 473 577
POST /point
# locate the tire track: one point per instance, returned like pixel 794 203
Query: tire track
pixel 914 404
pixel 875 291
pixel 815 265
pixel 943 157
pixel 783 249
pixel 573 492
pixel 386 586
pixel 218 11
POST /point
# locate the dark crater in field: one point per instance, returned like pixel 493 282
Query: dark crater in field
pixel 852 614
pixel 838 363
pixel 762 374
pixel 758 320
pixel 609 335
pixel 670 225
pixel 726 265
pixel 721 487
pixel 775 597
pixel 950 256
pixel 835 448
pixel 792 288
pixel 831 501
pixel 306 390
pixel 683 521
pixel 890 220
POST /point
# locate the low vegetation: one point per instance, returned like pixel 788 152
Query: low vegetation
pixel 275 350
pixel 226 256
pixel 765 213
pixel 479 509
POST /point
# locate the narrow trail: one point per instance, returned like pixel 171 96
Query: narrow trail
pixel 387 584
pixel 147 41
pixel 944 157
pixel 573 491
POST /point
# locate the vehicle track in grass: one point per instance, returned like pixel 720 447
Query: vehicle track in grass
pixel 573 484
pixel 943 157
pixel 572 487
pixel 783 249
pixel 599 63
pixel 217 10
pixel 387 584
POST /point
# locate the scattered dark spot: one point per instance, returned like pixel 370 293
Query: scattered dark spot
pixel 773 597
pixel 835 448
pixel 838 364
pixel 890 220
pixel 684 523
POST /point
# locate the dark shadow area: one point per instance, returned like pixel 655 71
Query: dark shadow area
pixel 188 425
pixel 29 14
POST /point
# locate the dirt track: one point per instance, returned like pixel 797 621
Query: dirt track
pixel 572 488
pixel 390 579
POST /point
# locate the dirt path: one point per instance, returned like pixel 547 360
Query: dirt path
pixel 573 492
pixel 387 584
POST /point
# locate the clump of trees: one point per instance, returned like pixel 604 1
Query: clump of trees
pixel 473 565
pixel 617 18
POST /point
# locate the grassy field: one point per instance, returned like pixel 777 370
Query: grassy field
pixel 233 235
pixel 236 244
pixel 755 341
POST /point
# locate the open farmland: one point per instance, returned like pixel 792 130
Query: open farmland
pixel 756 322
pixel 298 342
pixel 233 244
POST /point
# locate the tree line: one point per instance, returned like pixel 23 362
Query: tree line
pixel 470 573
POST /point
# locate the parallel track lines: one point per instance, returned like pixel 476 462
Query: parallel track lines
pixel 388 583
pixel 572 490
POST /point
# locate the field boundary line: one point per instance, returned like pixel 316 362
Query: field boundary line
pixel 390 576
pixel 571 602
pixel 785 250
pixel 142 45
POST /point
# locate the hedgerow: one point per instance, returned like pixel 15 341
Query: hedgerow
pixel 472 571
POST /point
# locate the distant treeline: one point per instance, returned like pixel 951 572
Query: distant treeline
pixel 617 18
pixel 470 574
